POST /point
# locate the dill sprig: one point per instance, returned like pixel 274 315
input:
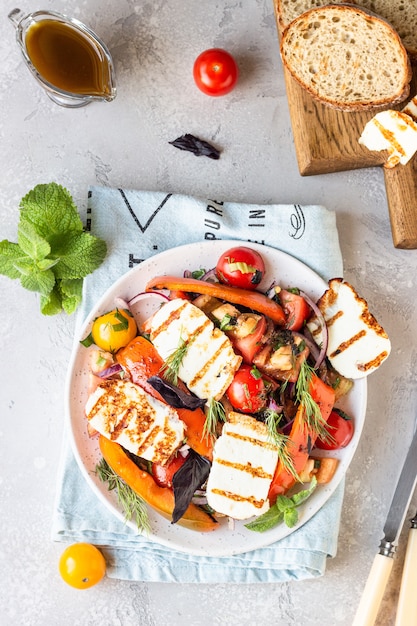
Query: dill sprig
pixel 313 417
pixel 133 505
pixel 215 413
pixel 283 443
pixel 172 364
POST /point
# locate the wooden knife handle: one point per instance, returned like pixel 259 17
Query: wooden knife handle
pixel 401 188
pixel 374 590
pixel 407 603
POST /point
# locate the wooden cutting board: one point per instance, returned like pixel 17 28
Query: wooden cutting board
pixel 326 140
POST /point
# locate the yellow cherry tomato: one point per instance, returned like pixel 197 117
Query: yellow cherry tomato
pixel 82 565
pixel 114 330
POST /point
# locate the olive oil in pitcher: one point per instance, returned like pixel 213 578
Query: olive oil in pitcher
pixel 67 58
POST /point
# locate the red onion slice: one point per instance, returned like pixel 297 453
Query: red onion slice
pixel 110 371
pixel 324 330
pixel 147 294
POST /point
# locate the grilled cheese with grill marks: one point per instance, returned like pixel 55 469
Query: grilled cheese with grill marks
pixel 244 462
pixel 125 413
pixel 209 363
pixel 395 131
pixel 357 344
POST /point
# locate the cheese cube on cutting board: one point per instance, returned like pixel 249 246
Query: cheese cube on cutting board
pixel 395 131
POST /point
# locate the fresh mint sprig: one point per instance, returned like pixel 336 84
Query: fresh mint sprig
pixel 284 509
pixel 53 253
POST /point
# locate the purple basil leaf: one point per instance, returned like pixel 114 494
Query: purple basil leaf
pixel 185 482
pixel 174 396
pixel 195 145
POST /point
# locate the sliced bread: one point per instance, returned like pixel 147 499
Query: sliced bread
pixel 347 58
pixel 288 10
pixel 401 14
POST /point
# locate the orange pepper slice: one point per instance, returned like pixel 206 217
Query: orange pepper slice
pixel 301 440
pixel 161 499
pixel 253 300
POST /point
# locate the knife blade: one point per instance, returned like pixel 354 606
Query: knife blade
pixel 383 561
pixel 407 603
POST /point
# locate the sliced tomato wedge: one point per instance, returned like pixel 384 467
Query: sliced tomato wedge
pixel 183 295
pixel 295 308
pixel 163 474
pixel 250 345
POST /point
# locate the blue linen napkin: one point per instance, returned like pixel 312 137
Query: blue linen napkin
pixel 139 224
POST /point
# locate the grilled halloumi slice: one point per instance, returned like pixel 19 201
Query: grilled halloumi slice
pixel 209 363
pixel 125 413
pixel 244 462
pixel 357 344
pixel 395 131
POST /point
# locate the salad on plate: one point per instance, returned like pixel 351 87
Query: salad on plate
pixel 222 403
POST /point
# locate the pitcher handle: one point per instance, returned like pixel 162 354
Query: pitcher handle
pixel 15 16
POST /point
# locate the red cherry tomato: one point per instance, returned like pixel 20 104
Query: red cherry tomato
pixel 340 428
pixel 247 392
pixel 215 72
pixel 240 267
pixel 295 308
pixel 163 474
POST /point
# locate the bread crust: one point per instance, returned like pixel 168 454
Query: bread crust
pixel 402 20
pixel 337 101
pixel 285 17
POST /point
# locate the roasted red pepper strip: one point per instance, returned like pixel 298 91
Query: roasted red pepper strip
pixel 142 361
pixel 253 300
pixel 301 440
pixel 159 498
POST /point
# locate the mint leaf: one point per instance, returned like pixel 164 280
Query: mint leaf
pixel 51 304
pixel 285 508
pixel 291 517
pixel 53 253
pixel 51 210
pixel 39 281
pixel 71 292
pixel 10 256
pixel 267 520
pixel 284 503
pixel 46 264
pixel 32 244
pixel 25 266
pixel 79 255
pixel 301 496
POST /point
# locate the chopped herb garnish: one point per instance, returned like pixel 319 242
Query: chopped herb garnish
pixel 313 417
pixel 88 341
pixel 283 442
pixel 197 274
pixel 227 322
pixel 173 362
pixel 133 505
pixel 285 509
pixel 123 322
pixel 255 372
pixel 215 414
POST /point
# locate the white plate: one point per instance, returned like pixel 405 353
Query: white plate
pixel 280 267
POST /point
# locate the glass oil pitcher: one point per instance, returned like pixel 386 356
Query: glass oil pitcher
pixel 66 57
